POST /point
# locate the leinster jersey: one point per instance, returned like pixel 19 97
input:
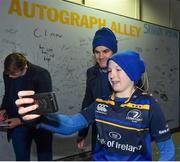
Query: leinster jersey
pixel 125 129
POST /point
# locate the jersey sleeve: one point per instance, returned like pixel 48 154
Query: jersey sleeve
pixel 159 128
pixel 89 113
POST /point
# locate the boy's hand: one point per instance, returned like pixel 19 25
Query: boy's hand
pixel 23 101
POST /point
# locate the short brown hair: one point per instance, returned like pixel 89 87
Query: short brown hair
pixel 14 62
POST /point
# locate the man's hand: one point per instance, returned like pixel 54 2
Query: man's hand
pixel 24 100
pixel 13 122
pixel 80 143
pixel 2 115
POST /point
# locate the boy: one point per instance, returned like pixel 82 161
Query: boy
pixel 125 121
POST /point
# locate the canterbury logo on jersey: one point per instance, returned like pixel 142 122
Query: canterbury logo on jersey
pixel 101 108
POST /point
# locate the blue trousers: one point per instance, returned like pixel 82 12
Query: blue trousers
pixel 22 137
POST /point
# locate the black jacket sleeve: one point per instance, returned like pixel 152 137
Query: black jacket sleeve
pixel 4 100
pixel 88 99
pixel 43 82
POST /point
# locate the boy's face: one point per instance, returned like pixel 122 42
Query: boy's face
pixel 102 55
pixel 118 79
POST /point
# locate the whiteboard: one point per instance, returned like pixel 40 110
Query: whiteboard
pixel 57 35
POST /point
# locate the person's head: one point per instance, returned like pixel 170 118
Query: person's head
pixel 15 65
pixel 104 45
pixel 125 70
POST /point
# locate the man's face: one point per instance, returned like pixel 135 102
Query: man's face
pixel 102 54
pixel 17 74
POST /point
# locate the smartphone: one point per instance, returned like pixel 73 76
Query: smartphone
pixel 4 124
pixel 46 103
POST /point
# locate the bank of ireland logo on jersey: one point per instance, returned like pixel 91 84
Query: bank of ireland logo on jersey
pixel 115 135
pixel 134 115
pixel 101 108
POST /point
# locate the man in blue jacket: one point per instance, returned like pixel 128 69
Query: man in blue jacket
pixel 20 74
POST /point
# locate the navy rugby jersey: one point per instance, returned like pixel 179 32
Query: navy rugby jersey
pixel 125 129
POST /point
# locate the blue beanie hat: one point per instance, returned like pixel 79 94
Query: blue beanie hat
pixel 105 37
pixel 131 63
